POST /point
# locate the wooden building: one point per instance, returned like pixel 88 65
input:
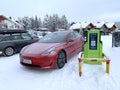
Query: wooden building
pixel 106 28
pixel 110 27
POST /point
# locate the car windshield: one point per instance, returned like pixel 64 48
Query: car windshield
pixel 55 37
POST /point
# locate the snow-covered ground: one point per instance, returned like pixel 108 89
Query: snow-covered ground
pixel 13 76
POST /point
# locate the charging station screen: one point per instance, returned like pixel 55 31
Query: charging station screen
pixel 93 42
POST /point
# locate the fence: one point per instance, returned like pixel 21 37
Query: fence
pixel 116 39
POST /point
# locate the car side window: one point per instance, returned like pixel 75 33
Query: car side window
pixel 16 37
pixel 7 38
pixel 1 37
pixel 71 36
pixel 26 36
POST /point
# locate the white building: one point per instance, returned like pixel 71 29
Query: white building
pixel 8 23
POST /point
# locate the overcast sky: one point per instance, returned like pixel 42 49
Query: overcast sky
pixel 75 10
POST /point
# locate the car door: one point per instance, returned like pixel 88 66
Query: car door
pixel 18 42
pixel 70 44
pixel 5 42
pixel 21 39
pixel 27 38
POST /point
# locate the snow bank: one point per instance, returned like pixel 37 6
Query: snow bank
pixel 107 42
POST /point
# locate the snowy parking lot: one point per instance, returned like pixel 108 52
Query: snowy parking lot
pixel 14 76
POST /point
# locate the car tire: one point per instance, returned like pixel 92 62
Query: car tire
pixel 9 51
pixel 61 59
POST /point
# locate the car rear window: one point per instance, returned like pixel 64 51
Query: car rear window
pixel 6 38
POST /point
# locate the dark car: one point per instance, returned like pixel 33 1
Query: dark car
pixel 53 50
pixel 12 41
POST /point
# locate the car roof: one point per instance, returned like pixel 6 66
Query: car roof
pixel 65 31
pixel 12 31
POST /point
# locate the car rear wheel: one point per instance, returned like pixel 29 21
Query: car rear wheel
pixel 61 59
pixel 9 51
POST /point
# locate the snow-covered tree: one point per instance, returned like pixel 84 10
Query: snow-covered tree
pixel 32 23
pixel 27 22
pixel 36 22
pixel 53 22
pixel 40 22
pixel 64 22
pixel 46 21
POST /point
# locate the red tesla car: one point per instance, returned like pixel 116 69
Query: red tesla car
pixel 53 50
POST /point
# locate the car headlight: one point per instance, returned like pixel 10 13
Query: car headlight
pixel 50 51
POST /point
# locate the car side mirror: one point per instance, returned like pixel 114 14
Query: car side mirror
pixel 70 40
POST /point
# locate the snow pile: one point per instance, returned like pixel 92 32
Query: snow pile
pixel 13 76
pixel 107 42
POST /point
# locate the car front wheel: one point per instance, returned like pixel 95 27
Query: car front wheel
pixel 61 59
pixel 9 51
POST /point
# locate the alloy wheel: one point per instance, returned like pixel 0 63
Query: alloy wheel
pixel 61 59
pixel 9 51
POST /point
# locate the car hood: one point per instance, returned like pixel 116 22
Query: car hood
pixel 38 48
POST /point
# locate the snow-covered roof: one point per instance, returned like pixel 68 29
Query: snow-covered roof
pixel 17 22
pixel 11 20
pixel 98 24
pixel 3 16
pixel 84 24
pixel 21 23
pixel 110 25
pixel 79 25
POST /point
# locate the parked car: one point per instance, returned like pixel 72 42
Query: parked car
pixel 53 50
pixel 12 41
pixel 45 33
pixel 33 33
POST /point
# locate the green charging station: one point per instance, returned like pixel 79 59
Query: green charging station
pixel 93 45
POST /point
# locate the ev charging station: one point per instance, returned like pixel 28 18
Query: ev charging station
pixel 92 53
pixel 93 45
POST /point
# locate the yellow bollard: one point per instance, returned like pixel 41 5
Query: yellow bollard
pixel 80 66
pixel 108 66
pixel 80 60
